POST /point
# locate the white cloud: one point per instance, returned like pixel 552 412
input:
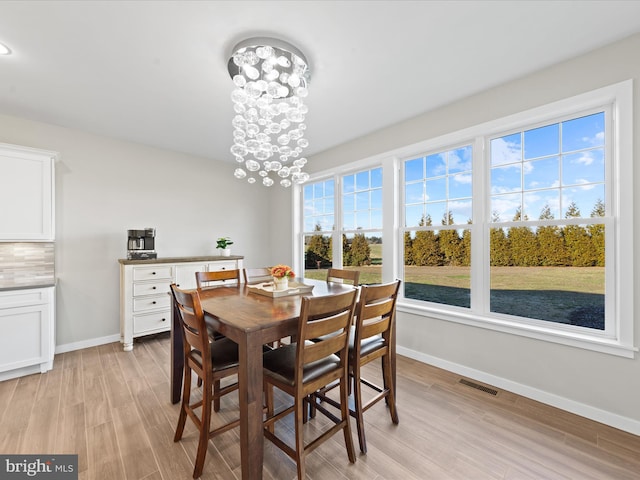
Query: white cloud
pixel 504 152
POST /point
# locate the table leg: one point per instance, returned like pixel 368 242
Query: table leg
pixel 177 354
pixel 251 407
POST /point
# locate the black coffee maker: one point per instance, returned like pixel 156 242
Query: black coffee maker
pixel 141 244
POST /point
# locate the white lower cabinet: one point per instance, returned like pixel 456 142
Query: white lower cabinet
pixel 27 322
pixel 145 296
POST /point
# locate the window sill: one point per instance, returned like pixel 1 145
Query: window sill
pixel 597 343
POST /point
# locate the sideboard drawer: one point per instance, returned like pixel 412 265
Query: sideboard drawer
pixel 140 289
pixel 152 321
pixel 151 303
pixel 225 265
pixel 163 272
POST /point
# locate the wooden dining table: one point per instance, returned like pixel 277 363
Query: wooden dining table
pixel 251 320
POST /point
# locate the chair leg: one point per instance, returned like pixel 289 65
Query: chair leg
pixel 357 397
pixel 186 398
pixel 300 454
pixel 268 398
pixel 344 410
pixel 205 426
pixel 216 396
pixel 388 385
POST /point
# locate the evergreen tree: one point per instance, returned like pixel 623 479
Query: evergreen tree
pixel 450 243
pixel 500 250
pixel 360 252
pixel 578 241
pixel 424 248
pixel 523 243
pixel 597 234
pixel 317 253
pixel 551 242
pixel 466 246
pixel 408 249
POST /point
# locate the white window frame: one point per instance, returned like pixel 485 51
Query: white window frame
pixel 619 203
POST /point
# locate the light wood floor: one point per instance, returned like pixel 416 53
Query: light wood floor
pixel 112 408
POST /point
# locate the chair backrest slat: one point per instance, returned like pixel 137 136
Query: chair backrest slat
pixel 343 276
pixel 376 309
pixel 257 275
pixel 203 278
pixel 319 317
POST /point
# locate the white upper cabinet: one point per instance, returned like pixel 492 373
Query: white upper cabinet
pixel 26 194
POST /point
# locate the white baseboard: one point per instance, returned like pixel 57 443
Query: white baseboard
pixel 92 342
pixel 613 420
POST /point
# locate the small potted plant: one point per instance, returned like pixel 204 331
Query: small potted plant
pixel 222 244
pixel 281 276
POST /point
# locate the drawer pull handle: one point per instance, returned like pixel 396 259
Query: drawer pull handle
pixel 153 288
pixel 153 273
pixel 163 319
pixel 154 302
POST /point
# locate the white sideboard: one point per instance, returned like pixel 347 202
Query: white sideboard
pixel 26 193
pixel 27 322
pixel 145 299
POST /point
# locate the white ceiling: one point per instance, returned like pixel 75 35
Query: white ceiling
pixel 154 72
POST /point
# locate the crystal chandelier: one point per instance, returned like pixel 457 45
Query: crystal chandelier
pixel 270 78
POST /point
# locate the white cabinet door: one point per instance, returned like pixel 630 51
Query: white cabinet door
pixel 27 193
pixel 27 323
pixel 186 275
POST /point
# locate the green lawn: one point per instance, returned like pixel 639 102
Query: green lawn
pixel 572 295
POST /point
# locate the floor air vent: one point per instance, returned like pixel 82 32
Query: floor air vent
pixel 482 388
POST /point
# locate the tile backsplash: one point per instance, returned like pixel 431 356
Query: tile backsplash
pixel 26 263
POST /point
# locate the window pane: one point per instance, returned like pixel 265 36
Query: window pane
pixel 506 149
pixel 460 211
pixel 536 203
pixel 583 132
pixel 506 179
pixel 580 201
pixel 317 256
pixel 413 193
pixel 541 173
pixel 363 219
pixel 554 273
pixel 414 170
pixel 362 201
pixel 362 181
pixel 413 215
pixel 460 160
pixel 376 178
pixel 583 167
pixel 542 141
pixel 504 207
pixel 348 203
pixel 348 184
pixel 436 211
pixel 436 165
pixel 437 266
pixel 437 189
pixel 460 186
pixel 363 252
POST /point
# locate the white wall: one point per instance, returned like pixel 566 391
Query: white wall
pixel 105 187
pixel 597 385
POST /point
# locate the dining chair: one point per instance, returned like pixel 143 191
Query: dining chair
pixel 257 275
pixel 211 361
pixel 206 279
pixel 343 276
pixel 301 368
pixel 371 338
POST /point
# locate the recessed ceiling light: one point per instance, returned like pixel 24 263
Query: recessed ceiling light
pixel 4 50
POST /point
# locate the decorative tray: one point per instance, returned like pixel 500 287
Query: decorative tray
pixel 266 289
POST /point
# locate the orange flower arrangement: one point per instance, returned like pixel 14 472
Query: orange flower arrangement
pixel 281 271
